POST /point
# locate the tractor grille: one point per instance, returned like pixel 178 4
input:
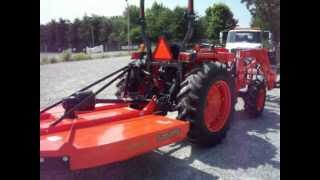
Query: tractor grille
pixel 234 51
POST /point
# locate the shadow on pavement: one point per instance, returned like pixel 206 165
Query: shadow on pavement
pixel 274 99
pixel 246 145
pixel 153 166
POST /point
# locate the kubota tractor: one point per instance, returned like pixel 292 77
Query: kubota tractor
pixel 200 83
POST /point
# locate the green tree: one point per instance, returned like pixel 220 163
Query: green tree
pixel 112 31
pixel 134 15
pixel 61 34
pixel 266 15
pixel 43 38
pixel 86 32
pixel 103 29
pixel 219 18
pixel 119 29
pixel 178 26
pixel 159 18
pixel 135 35
pixel 200 27
pixel 50 35
pixel 134 24
pixel 256 21
pixel 73 34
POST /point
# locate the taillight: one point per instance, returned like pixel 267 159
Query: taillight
pixel 184 56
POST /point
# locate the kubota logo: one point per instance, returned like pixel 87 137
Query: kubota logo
pixel 168 135
pixel 138 144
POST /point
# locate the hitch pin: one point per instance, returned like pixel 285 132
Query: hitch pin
pixel 65 158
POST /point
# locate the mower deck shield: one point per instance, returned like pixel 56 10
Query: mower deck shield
pixel 108 134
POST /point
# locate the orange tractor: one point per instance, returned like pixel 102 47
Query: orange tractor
pixel 200 83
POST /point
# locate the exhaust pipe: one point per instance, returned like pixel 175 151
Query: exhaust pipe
pixel 190 7
pixel 190 18
pixel 145 38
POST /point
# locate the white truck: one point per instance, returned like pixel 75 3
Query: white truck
pixel 248 38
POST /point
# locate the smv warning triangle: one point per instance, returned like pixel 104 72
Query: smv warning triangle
pixel 162 51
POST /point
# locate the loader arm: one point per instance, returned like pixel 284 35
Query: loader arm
pixel 261 56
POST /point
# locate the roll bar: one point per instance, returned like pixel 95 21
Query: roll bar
pixel 190 17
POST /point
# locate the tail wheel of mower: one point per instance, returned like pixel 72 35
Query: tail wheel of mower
pixel 134 88
pixel 255 99
pixel 121 88
pixel 206 99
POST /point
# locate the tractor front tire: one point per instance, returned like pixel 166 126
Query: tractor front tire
pixel 206 100
pixel 255 99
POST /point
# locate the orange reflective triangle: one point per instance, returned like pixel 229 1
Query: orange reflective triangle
pixel 162 51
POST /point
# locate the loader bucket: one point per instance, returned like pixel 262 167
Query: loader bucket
pixel 108 134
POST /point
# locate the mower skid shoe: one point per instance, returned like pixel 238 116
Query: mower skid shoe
pixel 90 146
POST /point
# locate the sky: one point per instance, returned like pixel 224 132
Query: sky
pixel 71 9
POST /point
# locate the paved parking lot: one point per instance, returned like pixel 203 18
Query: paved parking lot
pixel 250 151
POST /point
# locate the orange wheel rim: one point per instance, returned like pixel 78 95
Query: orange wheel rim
pixel 218 106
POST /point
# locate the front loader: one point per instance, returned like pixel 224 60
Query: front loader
pixel 200 83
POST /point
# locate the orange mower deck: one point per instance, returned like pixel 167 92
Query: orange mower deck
pixel 110 133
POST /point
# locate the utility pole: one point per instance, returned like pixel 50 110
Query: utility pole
pixel 128 13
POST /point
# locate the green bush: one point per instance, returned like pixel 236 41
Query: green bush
pixel 66 56
pixel 53 60
pixel 44 60
pixel 105 56
pixel 121 54
pixel 81 56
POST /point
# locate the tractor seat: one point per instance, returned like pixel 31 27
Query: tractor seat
pixel 175 49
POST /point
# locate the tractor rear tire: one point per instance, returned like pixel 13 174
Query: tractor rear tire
pixel 206 100
pixel 255 99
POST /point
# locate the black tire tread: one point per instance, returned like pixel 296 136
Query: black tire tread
pixel 250 99
pixel 192 96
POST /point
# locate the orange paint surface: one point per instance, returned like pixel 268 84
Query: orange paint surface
pixel 107 136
